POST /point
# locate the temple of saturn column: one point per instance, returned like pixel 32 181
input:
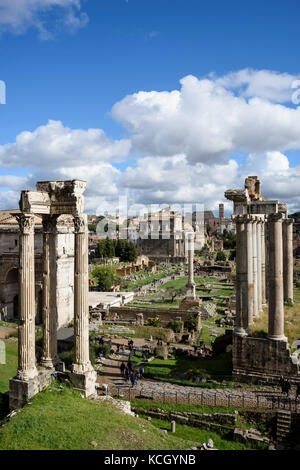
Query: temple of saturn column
pixel 51 199
pixel 264 275
pixel 191 286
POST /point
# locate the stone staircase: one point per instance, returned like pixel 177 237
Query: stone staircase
pixel 283 424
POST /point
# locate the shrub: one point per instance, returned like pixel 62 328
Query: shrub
pixel 175 325
pixel 288 302
pixel 221 256
pixel 153 322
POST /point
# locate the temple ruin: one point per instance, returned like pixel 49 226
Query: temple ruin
pixel 50 200
pixel 264 274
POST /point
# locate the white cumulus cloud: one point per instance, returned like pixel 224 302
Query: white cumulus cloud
pixel 18 16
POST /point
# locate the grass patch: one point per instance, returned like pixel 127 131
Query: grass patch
pixel 291 323
pixel 222 441
pixel 9 369
pixel 179 370
pixel 64 421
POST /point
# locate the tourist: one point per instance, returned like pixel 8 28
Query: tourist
pixel 142 370
pixel 281 383
pixel 122 368
pixel 135 376
pixel 129 365
pixel 132 378
pixel 127 374
pixel 297 392
pixel 287 388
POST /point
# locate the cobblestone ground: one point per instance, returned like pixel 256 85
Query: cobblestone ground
pixel 266 397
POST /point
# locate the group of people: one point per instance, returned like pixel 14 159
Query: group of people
pixel 286 387
pixel 129 373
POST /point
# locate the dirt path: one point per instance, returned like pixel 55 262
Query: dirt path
pixel 5 331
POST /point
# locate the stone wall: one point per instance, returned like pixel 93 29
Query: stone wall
pixel 165 315
pixel 256 359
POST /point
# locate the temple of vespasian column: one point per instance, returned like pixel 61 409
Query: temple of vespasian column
pixel 50 200
pixel 264 274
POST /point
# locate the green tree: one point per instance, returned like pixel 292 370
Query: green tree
pixel 105 277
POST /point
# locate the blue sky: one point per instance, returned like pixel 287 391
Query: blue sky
pixel 74 63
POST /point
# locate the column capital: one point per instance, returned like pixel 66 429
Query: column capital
pixel 288 221
pixel 80 223
pixel 241 219
pixel 275 217
pixel 49 223
pixel 26 223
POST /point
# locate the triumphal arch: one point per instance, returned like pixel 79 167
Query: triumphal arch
pixel 50 200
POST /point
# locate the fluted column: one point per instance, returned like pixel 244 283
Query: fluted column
pixel 191 287
pixel 259 276
pixel 241 276
pixel 263 264
pixel 254 253
pixel 276 308
pixel 287 233
pixel 49 357
pixel 81 309
pixel 26 345
pixel 249 245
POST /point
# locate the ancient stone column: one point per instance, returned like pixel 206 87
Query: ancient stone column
pixel 263 265
pixel 287 234
pixel 259 276
pixel 275 271
pixel 254 253
pixel 49 357
pixel 249 244
pixel 81 310
pixel 26 346
pixel 241 276
pixel 191 286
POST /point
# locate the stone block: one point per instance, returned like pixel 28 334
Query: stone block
pixel 85 382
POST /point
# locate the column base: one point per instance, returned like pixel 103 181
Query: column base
pixel 277 338
pixel 239 331
pixel 20 391
pixel 84 382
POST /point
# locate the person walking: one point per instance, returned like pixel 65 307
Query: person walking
pixel 141 371
pixel 297 392
pixel 129 365
pixel 287 388
pixel 281 383
pixel 132 378
pixel 122 369
pixel 127 374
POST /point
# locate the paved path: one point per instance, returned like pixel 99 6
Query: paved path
pixel 161 391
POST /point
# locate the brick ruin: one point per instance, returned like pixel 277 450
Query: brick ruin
pixel 264 273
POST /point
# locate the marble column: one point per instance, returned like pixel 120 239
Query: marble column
pixel 26 346
pixel 254 253
pixel 191 286
pixel 49 357
pixel 249 248
pixel 241 277
pixel 81 309
pixel 275 271
pixel 263 265
pixel 259 276
pixel 287 234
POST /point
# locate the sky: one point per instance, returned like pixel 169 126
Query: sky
pixel 165 101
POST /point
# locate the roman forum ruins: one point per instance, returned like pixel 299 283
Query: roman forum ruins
pixel 264 273
pixel 50 200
